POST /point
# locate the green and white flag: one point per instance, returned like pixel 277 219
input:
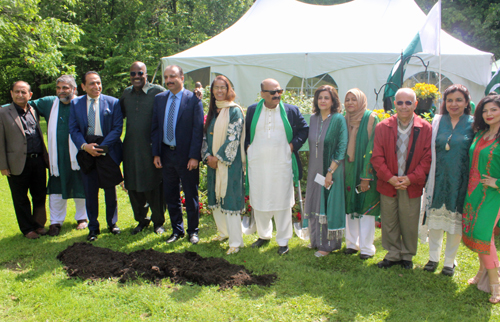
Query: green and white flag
pixel 425 41
pixel 494 84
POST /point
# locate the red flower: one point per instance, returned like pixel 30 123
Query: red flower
pixel 183 201
pixel 205 119
pixel 299 216
pixel 378 224
pixel 201 205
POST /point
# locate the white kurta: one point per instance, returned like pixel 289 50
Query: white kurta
pixel 270 173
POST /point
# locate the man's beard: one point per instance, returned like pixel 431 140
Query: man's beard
pixel 65 99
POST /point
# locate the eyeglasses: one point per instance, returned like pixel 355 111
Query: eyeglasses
pixel 138 73
pixel 222 88
pixel 279 91
pixel 400 103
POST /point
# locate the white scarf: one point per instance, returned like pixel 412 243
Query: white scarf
pixel 220 133
pixel 52 140
pixel 429 187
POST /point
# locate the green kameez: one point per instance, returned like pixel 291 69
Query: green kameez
pixel 366 203
pixel 482 203
pixel 229 154
pixel 69 183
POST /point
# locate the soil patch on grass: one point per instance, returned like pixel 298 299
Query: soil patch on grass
pixel 86 261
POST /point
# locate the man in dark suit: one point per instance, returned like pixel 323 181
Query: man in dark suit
pixel 22 160
pixel 98 115
pixel 177 135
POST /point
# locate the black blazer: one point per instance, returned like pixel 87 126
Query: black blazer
pixel 299 125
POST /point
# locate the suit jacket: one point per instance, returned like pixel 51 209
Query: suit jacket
pixel 385 160
pixel 13 142
pixel 189 128
pixel 111 123
pixel 300 129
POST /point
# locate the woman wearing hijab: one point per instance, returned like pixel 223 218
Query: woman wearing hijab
pixel 446 186
pixel 325 209
pixel 223 152
pixel 362 198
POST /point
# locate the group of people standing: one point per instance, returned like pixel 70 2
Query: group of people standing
pixel 359 167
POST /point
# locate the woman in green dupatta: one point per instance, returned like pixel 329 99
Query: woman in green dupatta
pixel 482 201
pixel 325 205
pixel 362 197
pixel 224 153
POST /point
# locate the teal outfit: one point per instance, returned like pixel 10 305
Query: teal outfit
pixel 229 154
pixel 69 183
pixel 452 173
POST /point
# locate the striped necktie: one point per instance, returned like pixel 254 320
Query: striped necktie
pixel 91 118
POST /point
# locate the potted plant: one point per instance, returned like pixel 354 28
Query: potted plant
pixel 426 94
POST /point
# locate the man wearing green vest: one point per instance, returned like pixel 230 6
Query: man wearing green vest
pixel 274 134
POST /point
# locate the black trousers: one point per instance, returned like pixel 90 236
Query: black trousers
pixel 154 201
pixel 32 179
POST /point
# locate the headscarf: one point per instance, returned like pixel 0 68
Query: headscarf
pixel 220 134
pixel 353 119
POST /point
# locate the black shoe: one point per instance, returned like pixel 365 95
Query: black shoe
pixel 282 250
pixel 194 239
pixel 365 256
pixel 174 237
pixel 140 227
pixel 259 243
pixel 431 266
pixel 407 264
pixel 350 251
pixel 385 263
pixel 115 230
pixel 159 230
pixel 92 235
pixel 448 271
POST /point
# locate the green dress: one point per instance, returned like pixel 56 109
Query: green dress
pixel 367 203
pixel 482 203
pixel 230 154
pixel 69 183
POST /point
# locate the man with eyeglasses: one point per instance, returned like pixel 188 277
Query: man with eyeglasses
pixel 65 180
pixel 142 179
pixel 177 135
pixel 402 159
pixel 274 134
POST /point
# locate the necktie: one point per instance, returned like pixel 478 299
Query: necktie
pixel 91 118
pixel 170 120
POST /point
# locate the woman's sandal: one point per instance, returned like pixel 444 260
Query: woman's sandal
pixel 495 293
pixel 232 250
pixel 475 279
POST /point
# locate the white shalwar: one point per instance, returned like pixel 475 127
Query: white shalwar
pixel 360 234
pixel 229 225
pixel 270 177
pixel 57 206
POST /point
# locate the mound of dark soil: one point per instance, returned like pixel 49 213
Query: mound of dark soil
pixel 89 262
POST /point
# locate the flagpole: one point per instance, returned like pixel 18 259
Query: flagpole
pixel 439 49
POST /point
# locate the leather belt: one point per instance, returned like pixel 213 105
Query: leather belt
pixel 171 147
pixel 33 155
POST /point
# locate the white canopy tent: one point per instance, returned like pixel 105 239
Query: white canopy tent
pixel 356 43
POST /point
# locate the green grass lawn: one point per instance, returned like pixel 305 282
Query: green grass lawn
pixel 34 286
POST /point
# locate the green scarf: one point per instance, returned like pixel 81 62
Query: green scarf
pixel 289 137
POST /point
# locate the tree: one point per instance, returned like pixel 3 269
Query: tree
pixel 31 45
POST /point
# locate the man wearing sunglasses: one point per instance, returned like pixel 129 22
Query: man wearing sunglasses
pixel 402 159
pixel 142 179
pixel 274 134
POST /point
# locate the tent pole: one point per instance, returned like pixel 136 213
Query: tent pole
pixel 303 76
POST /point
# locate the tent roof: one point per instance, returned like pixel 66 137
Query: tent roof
pixel 306 40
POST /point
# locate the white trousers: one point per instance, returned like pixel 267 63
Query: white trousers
pixel 229 226
pixel 283 219
pixel 360 233
pixel 436 243
pixel 58 206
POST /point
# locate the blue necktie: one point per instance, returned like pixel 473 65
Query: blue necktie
pixel 170 120
pixel 91 118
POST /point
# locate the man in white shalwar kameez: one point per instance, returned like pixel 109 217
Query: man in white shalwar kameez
pixel 275 132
